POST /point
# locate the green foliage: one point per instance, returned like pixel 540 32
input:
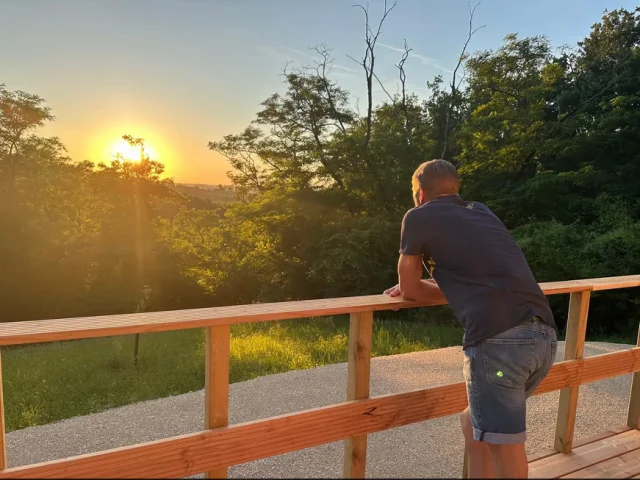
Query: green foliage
pixel 607 247
pixel 354 258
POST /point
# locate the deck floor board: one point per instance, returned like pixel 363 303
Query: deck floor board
pixel 612 454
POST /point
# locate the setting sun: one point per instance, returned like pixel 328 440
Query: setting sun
pixel 122 149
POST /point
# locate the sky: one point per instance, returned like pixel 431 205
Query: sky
pixel 181 73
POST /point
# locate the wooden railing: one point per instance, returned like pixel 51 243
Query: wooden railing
pixel 222 445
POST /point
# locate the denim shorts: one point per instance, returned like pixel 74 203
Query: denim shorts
pixel 501 372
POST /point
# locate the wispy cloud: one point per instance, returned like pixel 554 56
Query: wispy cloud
pixel 338 70
pixel 295 51
pixel 274 52
pixel 428 61
pixel 391 47
pixel 413 87
pixel 342 67
pixel 285 53
pixel 342 75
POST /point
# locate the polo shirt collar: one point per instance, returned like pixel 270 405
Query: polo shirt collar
pixel 454 198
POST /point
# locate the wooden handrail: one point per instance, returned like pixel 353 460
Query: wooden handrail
pixel 38 331
pixel 192 453
pixel 213 450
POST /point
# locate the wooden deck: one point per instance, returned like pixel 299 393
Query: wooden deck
pixel 612 454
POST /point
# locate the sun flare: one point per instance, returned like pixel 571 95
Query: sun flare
pixel 123 150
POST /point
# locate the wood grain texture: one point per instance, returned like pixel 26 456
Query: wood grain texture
pixel 216 385
pixel 585 456
pixel 578 443
pixel 358 384
pixel 633 412
pixel 3 439
pixel 37 331
pixel 624 466
pixel 574 349
pixel 214 449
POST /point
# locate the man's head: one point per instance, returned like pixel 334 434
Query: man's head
pixel 433 179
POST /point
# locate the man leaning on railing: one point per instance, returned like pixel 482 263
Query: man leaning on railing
pixel 510 333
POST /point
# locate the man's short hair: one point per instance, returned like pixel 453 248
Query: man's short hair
pixel 436 177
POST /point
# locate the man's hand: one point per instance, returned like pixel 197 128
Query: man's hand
pixel 393 291
pixel 411 286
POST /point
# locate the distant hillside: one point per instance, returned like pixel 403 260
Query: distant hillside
pixel 210 193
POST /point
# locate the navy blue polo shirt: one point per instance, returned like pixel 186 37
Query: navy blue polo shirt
pixel 477 264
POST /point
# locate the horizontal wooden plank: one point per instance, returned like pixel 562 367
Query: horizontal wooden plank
pixel 590 369
pixel 205 451
pixel 585 456
pixel 578 443
pixel 37 331
pixel 612 283
pixel 624 466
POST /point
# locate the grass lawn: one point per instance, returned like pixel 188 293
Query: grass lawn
pixel 49 382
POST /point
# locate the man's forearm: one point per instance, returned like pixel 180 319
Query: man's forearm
pixel 423 291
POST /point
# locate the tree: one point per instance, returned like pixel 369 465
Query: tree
pixel 288 141
pixel 455 84
pixel 509 92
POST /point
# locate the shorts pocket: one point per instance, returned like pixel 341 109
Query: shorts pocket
pixel 508 362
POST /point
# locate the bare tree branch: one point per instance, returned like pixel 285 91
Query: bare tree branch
pixel 250 174
pixel 402 73
pixel 403 84
pixel 368 65
pixel 368 61
pixel 454 81
pixel 393 101
pixel 321 72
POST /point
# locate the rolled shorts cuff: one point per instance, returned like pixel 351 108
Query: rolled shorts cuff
pixel 499 438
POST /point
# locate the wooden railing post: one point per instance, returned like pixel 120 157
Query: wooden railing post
pixel 359 367
pixel 633 416
pixel 216 411
pixel 573 349
pixel 3 442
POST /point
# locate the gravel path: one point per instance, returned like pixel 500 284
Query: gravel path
pixel 428 449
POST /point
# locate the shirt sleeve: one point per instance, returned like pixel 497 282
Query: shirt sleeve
pixel 412 236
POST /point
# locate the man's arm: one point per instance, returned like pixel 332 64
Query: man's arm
pixel 412 248
pixel 411 286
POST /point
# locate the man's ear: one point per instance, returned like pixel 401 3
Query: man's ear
pixel 422 196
